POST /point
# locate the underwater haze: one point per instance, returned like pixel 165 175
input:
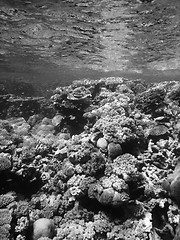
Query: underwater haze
pixel 50 43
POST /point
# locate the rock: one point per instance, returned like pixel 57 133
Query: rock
pixel 175 189
pixel 19 125
pixel 68 169
pixel 33 120
pixel 79 94
pixel 107 196
pixel 56 121
pixel 174 94
pixel 94 137
pixel 177 236
pixel 158 132
pixel 151 100
pixel 61 153
pixel 102 143
pixel 5 163
pixel 114 150
pixel 43 227
pixel 119 198
pixel 172 184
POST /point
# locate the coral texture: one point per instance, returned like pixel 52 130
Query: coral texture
pixel 99 160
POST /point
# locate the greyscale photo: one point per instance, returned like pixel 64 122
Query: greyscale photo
pixel 89 119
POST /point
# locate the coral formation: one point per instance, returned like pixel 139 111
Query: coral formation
pixel 43 227
pixel 99 160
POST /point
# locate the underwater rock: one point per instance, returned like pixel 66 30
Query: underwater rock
pixel 120 198
pixel 110 190
pixel 24 107
pixel 114 150
pixel 174 94
pixel 106 196
pixel 68 169
pixel 5 162
pixel 95 166
pixel 150 100
pixel 4 105
pixel 43 129
pixel 158 132
pixel 34 119
pixel 79 94
pixel 56 121
pixel 43 227
pixel 172 184
pixel 177 235
pixel 19 125
pixel 71 101
pixel 102 143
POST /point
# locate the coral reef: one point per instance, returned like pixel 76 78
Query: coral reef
pixel 99 160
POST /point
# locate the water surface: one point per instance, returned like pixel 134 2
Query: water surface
pixel 52 42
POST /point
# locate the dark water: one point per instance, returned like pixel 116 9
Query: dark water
pixel 53 42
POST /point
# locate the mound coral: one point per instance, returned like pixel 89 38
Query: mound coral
pixel 43 227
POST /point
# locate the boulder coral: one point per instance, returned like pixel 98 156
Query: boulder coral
pixel 43 227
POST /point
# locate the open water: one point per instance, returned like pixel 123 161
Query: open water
pixel 53 42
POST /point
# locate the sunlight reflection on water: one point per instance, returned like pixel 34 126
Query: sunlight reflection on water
pixel 54 42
